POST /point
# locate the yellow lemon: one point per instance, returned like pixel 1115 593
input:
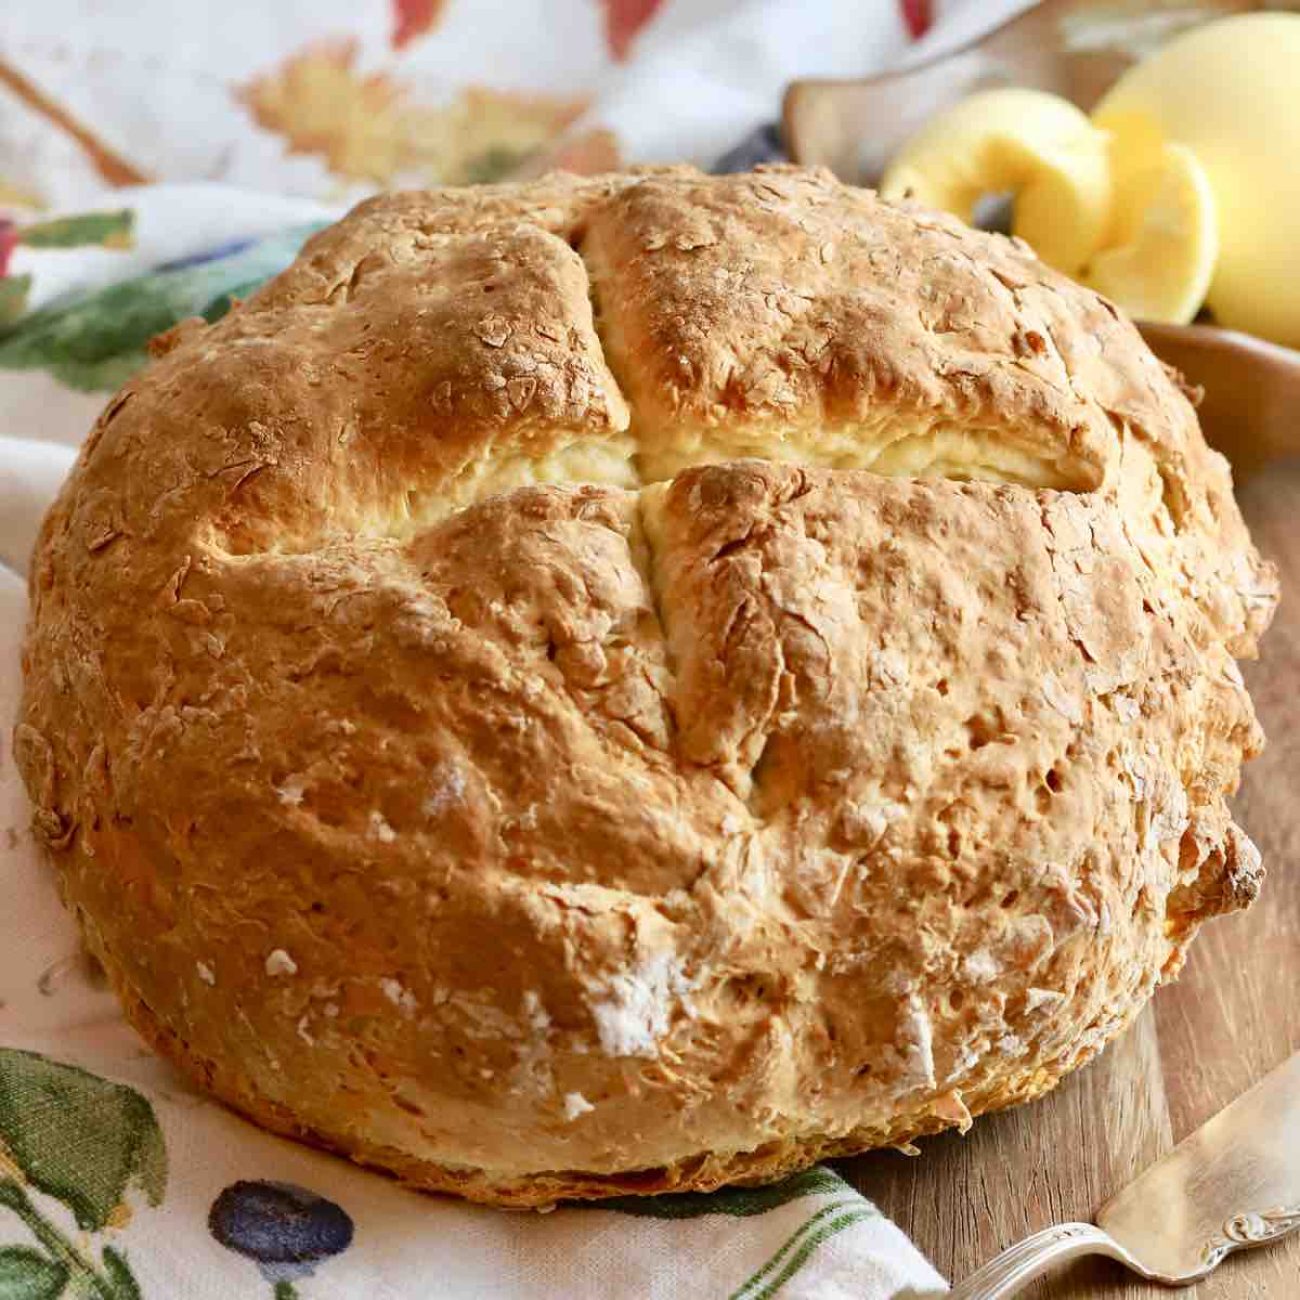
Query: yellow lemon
pixel 1164 240
pixel 1230 91
pixel 1037 146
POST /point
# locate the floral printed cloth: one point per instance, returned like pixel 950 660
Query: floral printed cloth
pixel 117 1181
pixel 330 98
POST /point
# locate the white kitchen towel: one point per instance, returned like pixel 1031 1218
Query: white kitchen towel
pixel 117 1181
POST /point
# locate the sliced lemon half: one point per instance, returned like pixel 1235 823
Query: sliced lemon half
pixel 1163 243
pixel 1036 146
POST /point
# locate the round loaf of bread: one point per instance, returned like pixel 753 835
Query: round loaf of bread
pixel 633 684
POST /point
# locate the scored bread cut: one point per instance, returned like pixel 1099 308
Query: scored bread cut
pixel 623 685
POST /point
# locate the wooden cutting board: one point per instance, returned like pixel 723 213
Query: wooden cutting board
pixel 1231 1017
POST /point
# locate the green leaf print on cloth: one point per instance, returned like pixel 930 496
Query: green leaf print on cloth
pixel 108 229
pixel 79 1138
pixel 735 1201
pixel 85 1142
pixel 825 1222
pixel 26 1274
pixel 97 341
pixel 13 297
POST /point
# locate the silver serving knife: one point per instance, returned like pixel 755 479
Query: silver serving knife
pixel 1233 1183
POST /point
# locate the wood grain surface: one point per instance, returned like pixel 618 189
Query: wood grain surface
pixel 1233 1015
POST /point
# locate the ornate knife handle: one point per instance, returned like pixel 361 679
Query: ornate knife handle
pixel 1008 1273
pixel 1251 1229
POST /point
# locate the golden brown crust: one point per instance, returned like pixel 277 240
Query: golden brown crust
pixel 447 773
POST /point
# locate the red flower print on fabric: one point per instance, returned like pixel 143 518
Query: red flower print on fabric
pixel 623 19
pixel 918 15
pixel 412 18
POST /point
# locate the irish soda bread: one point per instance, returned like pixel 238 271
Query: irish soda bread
pixel 633 684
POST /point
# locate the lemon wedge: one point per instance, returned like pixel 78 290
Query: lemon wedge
pixel 1037 146
pixel 1163 245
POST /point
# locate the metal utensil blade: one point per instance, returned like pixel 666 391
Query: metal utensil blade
pixel 1233 1183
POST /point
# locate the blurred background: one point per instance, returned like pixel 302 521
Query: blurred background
pixel 173 157
pixel 329 99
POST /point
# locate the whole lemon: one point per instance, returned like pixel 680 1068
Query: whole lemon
pixel 1230 91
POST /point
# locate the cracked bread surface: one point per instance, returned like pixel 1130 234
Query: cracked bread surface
pixel 630 684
